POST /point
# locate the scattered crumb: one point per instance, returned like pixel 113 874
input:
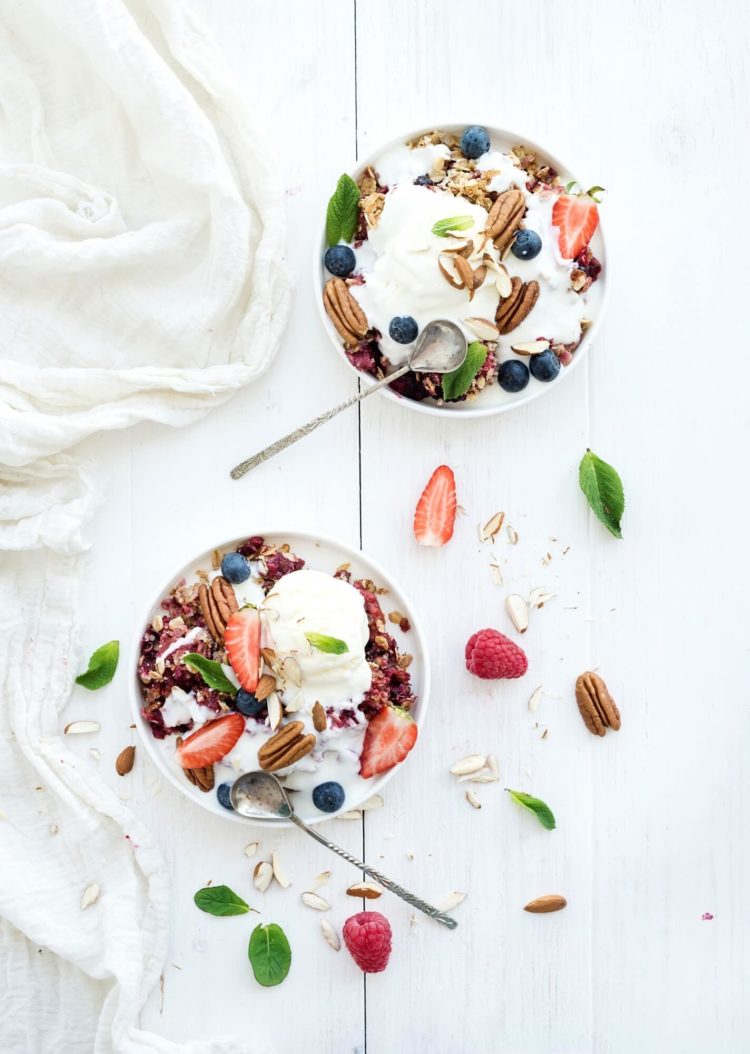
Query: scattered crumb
pixel 706 916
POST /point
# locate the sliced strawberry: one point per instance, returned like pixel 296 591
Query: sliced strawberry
pixel 436 509
pixel 210 743
pixel 576 218
pixel 242 642
pixel 389 737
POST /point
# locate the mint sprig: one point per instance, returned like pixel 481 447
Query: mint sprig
pixel 539 808
pixel 595 193
pixel 102 667
pixel 452 223
pixel 331 645
pixel 458 382
pixel 221 900
pixel 269 954
pixel 211 672
pixel 603 489
pixel 342 215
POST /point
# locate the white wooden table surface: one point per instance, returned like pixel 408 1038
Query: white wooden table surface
pixel 649 99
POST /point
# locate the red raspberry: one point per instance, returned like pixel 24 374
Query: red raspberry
pixel 490 655
pixel 367 935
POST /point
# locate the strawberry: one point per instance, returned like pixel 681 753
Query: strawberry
pixel 242 643
pixel 436 509
pixel 389 737
pixel 576 217
pixel 210 743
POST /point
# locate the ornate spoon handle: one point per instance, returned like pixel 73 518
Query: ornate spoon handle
pixel 299 433
pixel 415 902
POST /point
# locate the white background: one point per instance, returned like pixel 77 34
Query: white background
pixel 651 100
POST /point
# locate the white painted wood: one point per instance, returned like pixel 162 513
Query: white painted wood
pixel 651 100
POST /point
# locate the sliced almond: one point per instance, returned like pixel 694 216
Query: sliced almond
pixel 485 776
pixel 262 876
pixel 536 698
pixel 492 527
pixel 375 802
pixel 451 901
pixel 539 597
pixel 90 895
pixel 125 761
pixel 79 728
pixel 518 610
pixel 312 900
pixel 352 814
pixel 275 711
pixel 321 879
pixel 95 754
pixel 330 935
pixel 531 347
pixel 291 671
pixel 483 328
pixel 550 902
pixel 452 279
pixel 512 535
pixel 473 800
pixel 251 848
pixel 493 766
pixel 294 703
pixel 503 282
pixel 278 871
pixel 466 766
pixel 266 685
pixel 368 890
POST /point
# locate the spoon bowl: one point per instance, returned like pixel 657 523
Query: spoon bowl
pixel 441 348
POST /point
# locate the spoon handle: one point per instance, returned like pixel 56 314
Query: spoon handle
pixel 299 433
pixel 415 902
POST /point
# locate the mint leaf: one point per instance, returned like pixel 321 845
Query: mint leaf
pixel 542 811
pixel 102 667
pixel 269 954
pixel 595 193
pixel 331 645
pixel 603 489
pixel 211 672
pixel 221 900
pixel 452 223
pixel 458 382
pixel 342 215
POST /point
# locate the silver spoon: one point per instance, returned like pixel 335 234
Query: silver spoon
pixel 260 796
pixel 440 348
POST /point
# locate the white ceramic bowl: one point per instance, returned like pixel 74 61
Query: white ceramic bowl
pixel 492 400
pixel 319 553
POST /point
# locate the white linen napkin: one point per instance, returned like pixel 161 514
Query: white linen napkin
pixel 141 277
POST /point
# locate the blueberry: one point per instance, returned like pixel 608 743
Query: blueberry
pixel 328 797
pixel 247 704
pixel 403 329
pixel 423 181
pixel 513 376
pixel 235 568
pixel 475 141
pixel 340 260
pixel 222 793
pixel 545 367
pixel 526 244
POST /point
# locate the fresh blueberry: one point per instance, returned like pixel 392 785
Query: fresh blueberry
pixel 403 329
pixel 423 181
pixel 222 793
pixel 328 797
pixel 340 260
pixel 526 244
pixel 513 376
pixel 475 142
pixel 545 367
pixel 247 704
pixel 235 568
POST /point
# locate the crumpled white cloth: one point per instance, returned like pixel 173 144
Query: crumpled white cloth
pixel 141 277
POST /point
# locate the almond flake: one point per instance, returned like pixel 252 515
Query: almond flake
pixel 531 347
pixel 368 890
pixel 291 671
pixel 274 710
pixel 512 535
pixel 536 698
pixel 90 895
pixel 483 328
pixel 451 901
pixel 375 802
pixel 53 828
pixel 466 766
pixel 518 611
pixel 492 527
pixel 278 871
pixel 95 754
pixel 321 879
pixel 353 814
pixel 485 776
pixel 312 900
pixel 473 800
pixel 262 876
pixel 329 934
pixel 251 848
pixel 503 282
pixel 77 728
pixel 493 766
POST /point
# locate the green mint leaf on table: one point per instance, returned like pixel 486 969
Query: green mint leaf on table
pixel 542 811
pixel 331 645
pixel 102 667
pixel 211 672
pixel 269 954
pixel 342 216
pixel 458 382
pixel 452 223
pixel 603 489
pixel 221 900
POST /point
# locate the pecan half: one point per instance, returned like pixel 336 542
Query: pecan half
pixel 505 218
pixel 344 311
pixel 210 613
pixel 286 747
pixel 598 708
pixel 226 601
pixel 203 778
pixel 514 308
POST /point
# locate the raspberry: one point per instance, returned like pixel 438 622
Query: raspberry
pixel 491 655
pixel 367 935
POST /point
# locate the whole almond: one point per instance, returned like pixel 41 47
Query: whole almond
pixel 550 902
pixel 368 890
pixel 320 721
pixel 125 760
pixel 266 685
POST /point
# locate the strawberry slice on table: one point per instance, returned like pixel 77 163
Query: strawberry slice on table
pixel 210 743
pixel 436 509
pixel 576 217
pixel 242 643
pixel 389 737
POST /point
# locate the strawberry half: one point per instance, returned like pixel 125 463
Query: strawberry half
pixel 436 509
pixel 242 643
pixel 210 743
pixel 389 737
pixel 576 218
